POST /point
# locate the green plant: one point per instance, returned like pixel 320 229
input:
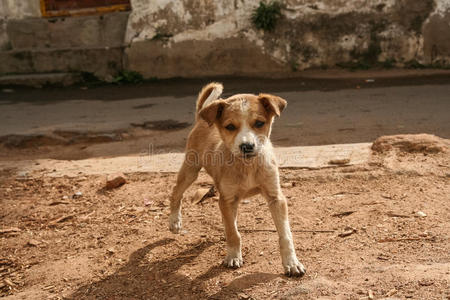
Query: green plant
pixel 266 15
pixel 128 77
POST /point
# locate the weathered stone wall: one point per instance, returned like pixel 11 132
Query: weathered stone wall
pixel 30 43
pixel 190 38
pixel 197 38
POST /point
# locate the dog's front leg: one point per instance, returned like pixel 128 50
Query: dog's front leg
pixel 279 210
pixel 228 208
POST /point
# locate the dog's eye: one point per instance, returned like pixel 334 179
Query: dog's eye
pixel 259 124
pixel 230 127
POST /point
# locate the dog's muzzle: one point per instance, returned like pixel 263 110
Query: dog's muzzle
pixel 247 149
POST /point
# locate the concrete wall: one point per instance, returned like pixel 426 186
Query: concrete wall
pixel 30 43
pixel 198 38
pixel 190 38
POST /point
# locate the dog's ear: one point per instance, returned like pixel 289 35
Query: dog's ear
pixel 272 104
pixel 212 112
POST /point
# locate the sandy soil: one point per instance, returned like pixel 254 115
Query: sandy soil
pixel 68 238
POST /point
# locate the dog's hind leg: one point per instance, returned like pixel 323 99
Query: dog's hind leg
pixel 186 176
pixel 228 208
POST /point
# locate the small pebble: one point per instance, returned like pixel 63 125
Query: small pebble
pixel 421 214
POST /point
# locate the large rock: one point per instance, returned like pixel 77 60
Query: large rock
pixel 423 143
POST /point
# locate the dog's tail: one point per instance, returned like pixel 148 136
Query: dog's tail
pixel 208 94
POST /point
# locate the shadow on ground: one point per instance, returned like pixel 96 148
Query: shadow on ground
pixel 140 279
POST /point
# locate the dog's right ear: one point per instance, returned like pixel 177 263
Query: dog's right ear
pixel 212 112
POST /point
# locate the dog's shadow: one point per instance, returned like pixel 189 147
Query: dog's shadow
pixel 140 279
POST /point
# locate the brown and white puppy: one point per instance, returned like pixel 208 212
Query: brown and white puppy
pixel 230 140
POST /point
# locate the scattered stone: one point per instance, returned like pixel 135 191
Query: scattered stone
pixel 343 161
pixel 243 296
pixel 423 143
pixel 347 231
pixel 7 90
pixel 22 174
pixel 115 180
pixel 421 214
pixel 370 294
pixel 65 197
pixel 33 243
pixel 245 201
pixel 77 195
pixel 147 202
pixel 111 250
pixel 287 185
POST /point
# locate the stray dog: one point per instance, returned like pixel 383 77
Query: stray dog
pixel 230 139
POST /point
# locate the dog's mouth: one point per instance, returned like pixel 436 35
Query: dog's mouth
pixel 248 155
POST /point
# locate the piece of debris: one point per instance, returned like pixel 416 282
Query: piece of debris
pixel 407 239
pixel 421 214
pixel 370 294
pixel 147 202
pixel 33 243
pixel 60 220
pixel 347 231
pixel 245 201
pixel 391 293
pixel 9 282
pixel 77 195
pixel 395 215
pixel 343 214
pixel 9 230
pixel 57 203
pixel 7 90
pixel 370 80
pixel 115 180
pixel 340 162
pixel 111 250
pixel 202 194
pixel 243 296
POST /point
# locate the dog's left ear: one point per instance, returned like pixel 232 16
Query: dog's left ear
pixel 272 104
pixel 212 112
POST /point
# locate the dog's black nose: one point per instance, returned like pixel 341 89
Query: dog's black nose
pixel 247 148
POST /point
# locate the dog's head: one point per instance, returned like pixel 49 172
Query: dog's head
pixel 244 121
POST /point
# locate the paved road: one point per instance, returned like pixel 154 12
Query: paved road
pixel 331 111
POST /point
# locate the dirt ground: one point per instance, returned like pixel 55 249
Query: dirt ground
pixel 68 238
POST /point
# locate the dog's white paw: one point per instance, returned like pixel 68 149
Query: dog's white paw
pixel 233 262
pixel 292 267
pixel 175 223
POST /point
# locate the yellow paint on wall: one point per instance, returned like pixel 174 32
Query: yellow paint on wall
pixel 83 12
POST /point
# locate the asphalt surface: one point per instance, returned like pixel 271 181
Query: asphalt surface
pixel 320 110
